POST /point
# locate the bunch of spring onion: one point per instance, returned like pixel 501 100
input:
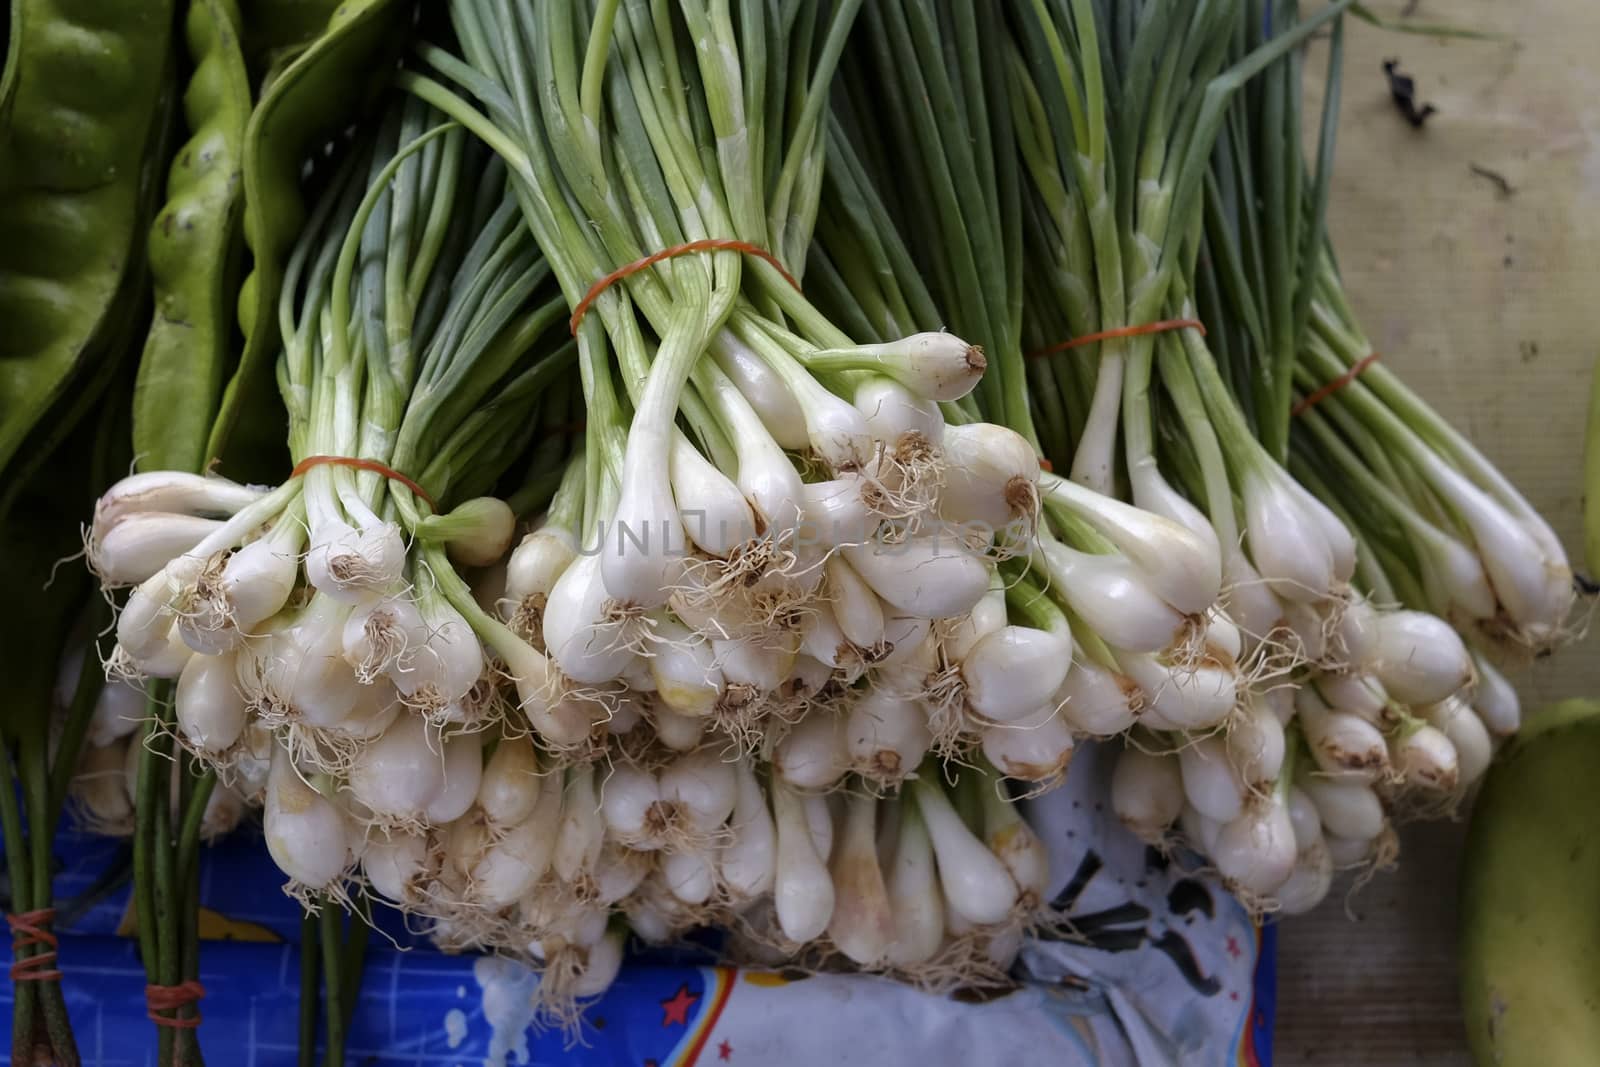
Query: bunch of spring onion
pixel 1412 723
pixel 1443 530
pixel 1156 634
pixel 753 549
pixel 1376 709
pixel 1241 798
pixel 1117 112
pixel 1439 528
pixel 1141 591
pixel 329 658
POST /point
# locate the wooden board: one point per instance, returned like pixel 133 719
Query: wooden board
pixel 1489 303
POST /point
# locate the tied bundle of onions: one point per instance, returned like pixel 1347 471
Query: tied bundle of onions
pixel 1439 529
pixel 332 662
pixel 1172 623
pixel 727 582
pixel 746 584
pixel 1112 611
pixel 766 505
pixel 329 609
pixel 1444 531
pixel 1111 199
pixel 1389 713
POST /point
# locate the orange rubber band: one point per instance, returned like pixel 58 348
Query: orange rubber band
pixel 1307 403
pixel 1122 331
pixel 366 465
pixel 163 998
pixel 32 928
pixel 708 244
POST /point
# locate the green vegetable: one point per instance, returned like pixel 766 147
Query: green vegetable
pixel 82 99
pixel 293 117
pixel 192 251
pixel 1530 933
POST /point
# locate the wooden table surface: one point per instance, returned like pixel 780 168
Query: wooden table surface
pixel 1487 300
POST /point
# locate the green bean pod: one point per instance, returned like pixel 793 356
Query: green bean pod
pixel 191 252
pixel 82 97
pixel 304 104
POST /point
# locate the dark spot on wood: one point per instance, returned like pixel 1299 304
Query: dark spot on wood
pixel 1503 188
pixel 1403 90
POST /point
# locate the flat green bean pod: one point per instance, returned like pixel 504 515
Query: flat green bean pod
pixel 304 105
pixel 83 93
pixel 191 251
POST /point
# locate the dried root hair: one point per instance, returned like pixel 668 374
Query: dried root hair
pixel 1385 856
pixel 949 721
pixel 1517 646
pixel 337 892
pixel 389 644
pixel 525 618
pixel 903 480
pixel 960 968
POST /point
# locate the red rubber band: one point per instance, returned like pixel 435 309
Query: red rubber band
pixel 708 244
pixel 1307 403
pixel 32 928
pixel 1121 331
pixel 366 465
pixel 163 998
